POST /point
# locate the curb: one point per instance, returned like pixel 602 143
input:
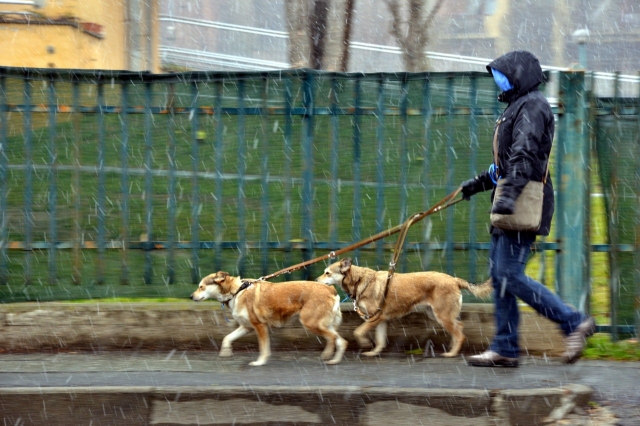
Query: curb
pixel 226 405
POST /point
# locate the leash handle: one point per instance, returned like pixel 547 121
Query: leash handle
pixel 442 204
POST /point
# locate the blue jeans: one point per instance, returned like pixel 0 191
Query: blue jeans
pixel 508 258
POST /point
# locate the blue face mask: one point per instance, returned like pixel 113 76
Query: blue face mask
pixel 501 80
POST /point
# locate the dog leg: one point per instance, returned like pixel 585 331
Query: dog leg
pixel 225 350
pixel 333 341
pixel 325 326
pixel 360 334
pixel 341 345
pixel 381 339
pixel 329 348
pixel 331 336
pixel 263 343
pixel 454 328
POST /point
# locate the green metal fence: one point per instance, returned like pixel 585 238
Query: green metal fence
pixel 617 142
pixel 132 184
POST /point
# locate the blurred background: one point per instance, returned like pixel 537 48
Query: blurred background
pixel 334 35
pixel 151 142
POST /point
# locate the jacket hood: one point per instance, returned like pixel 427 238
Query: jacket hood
pixel 522 69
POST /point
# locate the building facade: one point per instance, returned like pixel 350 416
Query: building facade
pixel 80 34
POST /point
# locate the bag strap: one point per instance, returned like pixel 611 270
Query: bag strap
pixel 495 144
pixel 495 152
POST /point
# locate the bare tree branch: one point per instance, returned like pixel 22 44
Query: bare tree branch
pixel 318 28
pixel 297 15
pixel 346 35
pixel 414 40
pixel 432 14
pixel 319 33
pixel 396 31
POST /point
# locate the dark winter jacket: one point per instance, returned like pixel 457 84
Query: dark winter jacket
pixel 525 134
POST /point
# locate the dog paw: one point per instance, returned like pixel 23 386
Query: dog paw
pixel 365 344
pixel 448 355
pixel 371 353
pixel 333 361
pixel 257 363
pixel 326 355
pixel 225 353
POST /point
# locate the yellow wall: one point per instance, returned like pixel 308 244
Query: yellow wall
pixel 497 26
pixel 62 46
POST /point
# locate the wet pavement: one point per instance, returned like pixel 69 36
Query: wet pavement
pixel 616 385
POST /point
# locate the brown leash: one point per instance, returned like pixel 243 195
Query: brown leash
pixel 403 229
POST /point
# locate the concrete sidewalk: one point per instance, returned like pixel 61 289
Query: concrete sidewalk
pixel 197 387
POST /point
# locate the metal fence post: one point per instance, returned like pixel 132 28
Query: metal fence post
pixel 637 245
pixel 307 174
pixel 357 218
pixel 171 223
pixel 124 182
pixel 264 238
pixel 571 217
pixel 380 170
pixel 4 230
pixel 449 182
pixel 288 118
pixel 53 191
pixel 100 208
pixel 28 180
pixel 218 162
pixel 333 190
pixel 242 166
pixel 473 136
pixel 148 185
pixel 427 112
pixel 404 163
pixel 195 201
pixel 77 227
pixel 614 268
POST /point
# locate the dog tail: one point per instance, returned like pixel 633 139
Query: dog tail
pixel 482 291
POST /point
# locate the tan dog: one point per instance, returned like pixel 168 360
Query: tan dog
pixel 436 290
pixel 257 305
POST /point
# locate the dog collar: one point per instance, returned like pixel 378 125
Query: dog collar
pixel 245 285
pixel 365 316
pixel 354 296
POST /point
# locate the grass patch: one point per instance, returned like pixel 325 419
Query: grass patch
pixel 600 346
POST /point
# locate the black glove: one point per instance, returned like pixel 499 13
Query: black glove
pixel 468 188
pixel 503 206
pixel 480 183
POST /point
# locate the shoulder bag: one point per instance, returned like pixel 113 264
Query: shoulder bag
pixel 527 213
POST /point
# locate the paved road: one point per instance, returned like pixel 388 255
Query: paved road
pixel 616 384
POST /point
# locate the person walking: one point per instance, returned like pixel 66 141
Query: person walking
pixel 521 149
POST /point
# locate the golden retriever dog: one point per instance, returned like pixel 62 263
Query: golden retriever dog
pixel 258 305
pixel 378 304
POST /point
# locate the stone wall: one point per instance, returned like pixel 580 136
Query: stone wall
pixel 191 326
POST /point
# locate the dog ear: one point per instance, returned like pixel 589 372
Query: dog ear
pixel 208 280
pixel 345 265
pixel 220 276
